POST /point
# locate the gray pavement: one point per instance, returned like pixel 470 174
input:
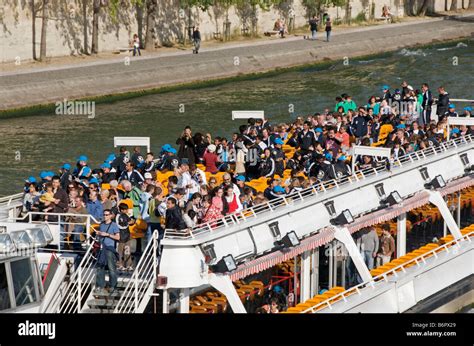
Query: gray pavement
pixel 51 84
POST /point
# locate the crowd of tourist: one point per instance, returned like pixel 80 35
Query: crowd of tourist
pixel 192 194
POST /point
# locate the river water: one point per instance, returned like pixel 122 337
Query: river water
pixel 34 143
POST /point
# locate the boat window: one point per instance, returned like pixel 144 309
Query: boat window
pixel 4 296
pixel 23 282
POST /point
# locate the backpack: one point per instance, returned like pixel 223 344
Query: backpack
pixel 124 229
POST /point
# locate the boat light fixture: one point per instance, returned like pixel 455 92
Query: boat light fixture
pixel 225 264
pixel 290 240
pixel 343 218
pixel 393 198
pixel 437 183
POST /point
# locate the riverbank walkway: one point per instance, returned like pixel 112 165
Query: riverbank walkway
pixel 49 84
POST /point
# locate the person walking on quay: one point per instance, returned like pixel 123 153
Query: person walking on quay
pixel 136 45
pixel 313 25
pixel 196 40
pixel 328 28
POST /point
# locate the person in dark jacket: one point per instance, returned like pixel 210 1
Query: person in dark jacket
pixel 174 217
pixel 66 176
pixel 131 174
pixel 107 174
pixel 196 40
pixel 386 93
pixel 186 146
pixel 119 162
pixel 268 166
pixel 137 157
pixel 279 157
pixel 360 126
pixel 443 102
pixel 306 138
pixel 61 199
pixel 426 104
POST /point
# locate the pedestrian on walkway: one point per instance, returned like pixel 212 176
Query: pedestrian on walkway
pixel 136 45
pixel 313 25
pixel 196 40
pixel 328 28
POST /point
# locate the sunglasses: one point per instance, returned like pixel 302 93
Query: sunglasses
pixel 107 214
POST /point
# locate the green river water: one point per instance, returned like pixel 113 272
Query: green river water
pixel 44 142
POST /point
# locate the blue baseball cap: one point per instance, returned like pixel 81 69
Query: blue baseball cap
pixel 66 166
pixel 318 129
pixel 93 181
pixel 279 141
pixel 328 156
pixel 278 189
pixel 172 151
pixel 240 178
pixel 469 109
pixel 82 158
pixel 31 180
pixel 49 174
pixel 342 158
pixel 167 148
pixel 277 289
pixel 401 126
pixel 85 171
pixel 43 174
pixel 455 130
pixel 451 105
pixel 105 165
pixel 385 87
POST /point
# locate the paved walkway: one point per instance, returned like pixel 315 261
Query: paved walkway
pixel 98 78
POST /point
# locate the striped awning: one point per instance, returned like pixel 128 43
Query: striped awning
pixel 326 235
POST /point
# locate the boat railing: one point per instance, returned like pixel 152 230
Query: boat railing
pixel 316 189
pixel 134 297
pixel 418 261
pixel 80 284
pixel 9 200
pixel 71 227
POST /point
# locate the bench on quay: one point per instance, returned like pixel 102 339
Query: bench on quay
pixel 387 20
pixel 271 33
pixel 123 50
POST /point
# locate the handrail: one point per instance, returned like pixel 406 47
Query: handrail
pixel 393 270
pixel 321 186
pixel 79 284
pixel 89 220
pixel 7 200
pixel 143 276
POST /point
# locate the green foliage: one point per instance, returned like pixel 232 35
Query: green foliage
pixel 360 17
pixel 202 4
pixel 315 5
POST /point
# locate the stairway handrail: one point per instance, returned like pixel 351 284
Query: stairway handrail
pixel 144 275
pixel 79 283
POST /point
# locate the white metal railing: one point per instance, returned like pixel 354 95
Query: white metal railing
pixel 384 276
pixel 321 187
pixel 66 227
pixel 9 200
pixel 133 297
pixel 79 285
